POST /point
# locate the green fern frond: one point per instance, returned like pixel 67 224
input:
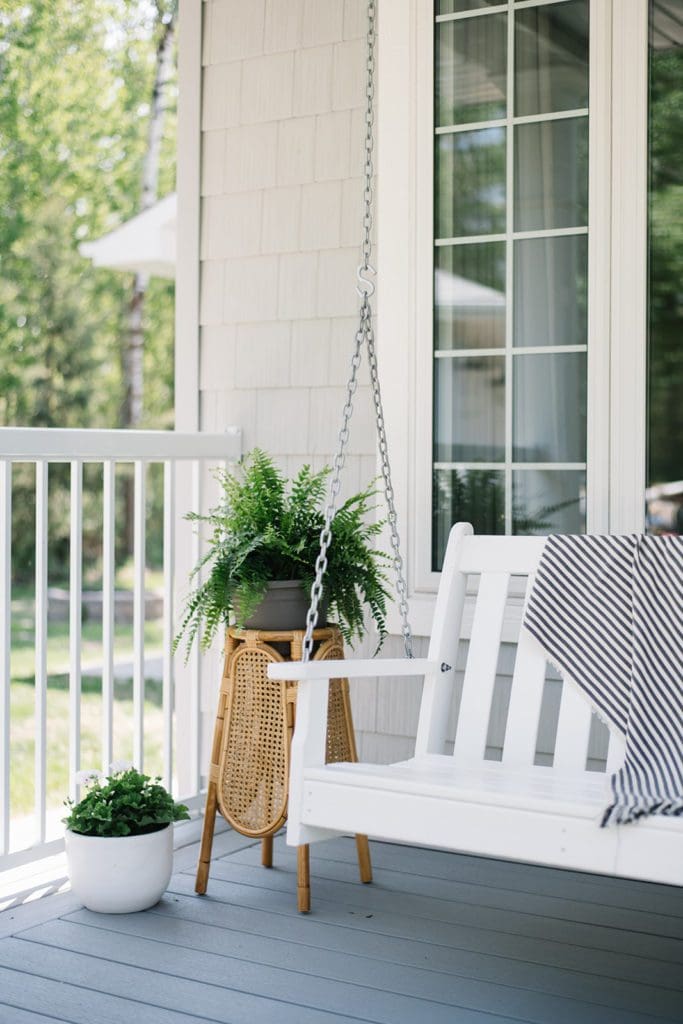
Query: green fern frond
pixel 263 529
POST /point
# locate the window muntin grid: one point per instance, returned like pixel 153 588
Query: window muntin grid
pixel 510 268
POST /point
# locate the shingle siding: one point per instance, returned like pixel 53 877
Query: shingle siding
pixel 283 112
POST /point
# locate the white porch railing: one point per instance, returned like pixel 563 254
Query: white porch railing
pixel 186 459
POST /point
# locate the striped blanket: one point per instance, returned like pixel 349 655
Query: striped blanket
pixel 608 611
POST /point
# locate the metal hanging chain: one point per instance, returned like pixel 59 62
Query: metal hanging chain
pixel 392 518
pixel 365 333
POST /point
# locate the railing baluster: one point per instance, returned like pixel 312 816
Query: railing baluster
pixel 139 616
pixel 5 645
pixel 196 655
pixel 169 582
pixel 75 613
pixel 108 570
pixel 182 456
pixel 40 690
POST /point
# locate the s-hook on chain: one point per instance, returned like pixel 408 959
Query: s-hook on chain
pixel 365 333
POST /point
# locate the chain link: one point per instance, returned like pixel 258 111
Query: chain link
pixel 335 486
pixel 364 334
pixel 368 169
pixel 392 518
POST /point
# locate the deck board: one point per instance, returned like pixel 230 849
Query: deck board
pixel 494 897
pixel 428 975
pixel 438 938
pixel 593 949
pixel 488 872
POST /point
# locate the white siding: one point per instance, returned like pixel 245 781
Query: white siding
pixel 282 158
pixel 282 150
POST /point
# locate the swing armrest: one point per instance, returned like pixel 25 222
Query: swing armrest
pixel 296 671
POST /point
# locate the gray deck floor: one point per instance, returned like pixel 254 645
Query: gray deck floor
pixel 437 938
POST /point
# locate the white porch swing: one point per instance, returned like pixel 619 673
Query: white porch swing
pixel 511 809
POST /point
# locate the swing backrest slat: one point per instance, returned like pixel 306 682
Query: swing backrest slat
pixel 501 569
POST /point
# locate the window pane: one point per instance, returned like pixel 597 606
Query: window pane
pixel 469 296
pixel 471 61
pixel 455 6
pixel 548 501
pixel 551 291
pixel 551 58
pixel 665 345
pixel 469 409
pixel 549 407
pixel 468 496
pixel 470 183
pixel 551 174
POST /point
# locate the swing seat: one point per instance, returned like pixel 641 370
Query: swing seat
pixel 460 801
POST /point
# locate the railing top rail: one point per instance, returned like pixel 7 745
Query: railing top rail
pixel 57 445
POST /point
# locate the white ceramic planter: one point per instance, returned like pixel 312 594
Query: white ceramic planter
pixel 120 875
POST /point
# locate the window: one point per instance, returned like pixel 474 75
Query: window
pixel 513 283
pixel 664 492
pixel 510 337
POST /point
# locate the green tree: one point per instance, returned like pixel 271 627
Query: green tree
pixel 76 91
pixel 665 371
pixel 76 84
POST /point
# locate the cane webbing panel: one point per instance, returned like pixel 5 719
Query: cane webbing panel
pixel 338 745
pixel 253 773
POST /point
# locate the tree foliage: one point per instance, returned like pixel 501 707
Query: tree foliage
pixel 76 79
pixel 665 376
pixel 75 84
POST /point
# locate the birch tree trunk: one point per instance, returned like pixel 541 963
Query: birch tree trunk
pixel 133 349
pixel 133 372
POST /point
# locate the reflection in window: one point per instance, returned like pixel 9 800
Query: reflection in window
pixel 551 291
pixel 470 183
pixel 549 501
pixel 469 409
pixel 665 344
pixel 467 496
pixel 549 408
pixel 456 6
pixel 551 58
pixel 471 61
pixel 469 296
pixel 551 174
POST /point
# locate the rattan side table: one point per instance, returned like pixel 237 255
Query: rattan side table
pixel 249 771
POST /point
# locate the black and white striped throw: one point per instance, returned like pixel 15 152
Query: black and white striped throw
pixel 608 611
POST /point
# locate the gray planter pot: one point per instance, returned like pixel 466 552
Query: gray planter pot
pixel 284 607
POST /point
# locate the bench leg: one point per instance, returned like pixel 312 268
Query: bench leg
pixel 267 851
pixel 364 862
pixel 303 880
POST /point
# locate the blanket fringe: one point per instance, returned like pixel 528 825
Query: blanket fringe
pixel 620 813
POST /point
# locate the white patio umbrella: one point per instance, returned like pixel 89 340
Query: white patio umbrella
pixel 145 244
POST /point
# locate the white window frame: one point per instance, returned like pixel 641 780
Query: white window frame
pixel 617 256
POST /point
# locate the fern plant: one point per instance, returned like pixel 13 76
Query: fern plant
pixel 265 529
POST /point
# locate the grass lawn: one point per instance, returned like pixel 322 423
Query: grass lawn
pixel 22 701
pixel 22 743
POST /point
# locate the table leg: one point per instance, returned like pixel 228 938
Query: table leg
pixel 303 880
pixel 267 851
pixel 364 863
